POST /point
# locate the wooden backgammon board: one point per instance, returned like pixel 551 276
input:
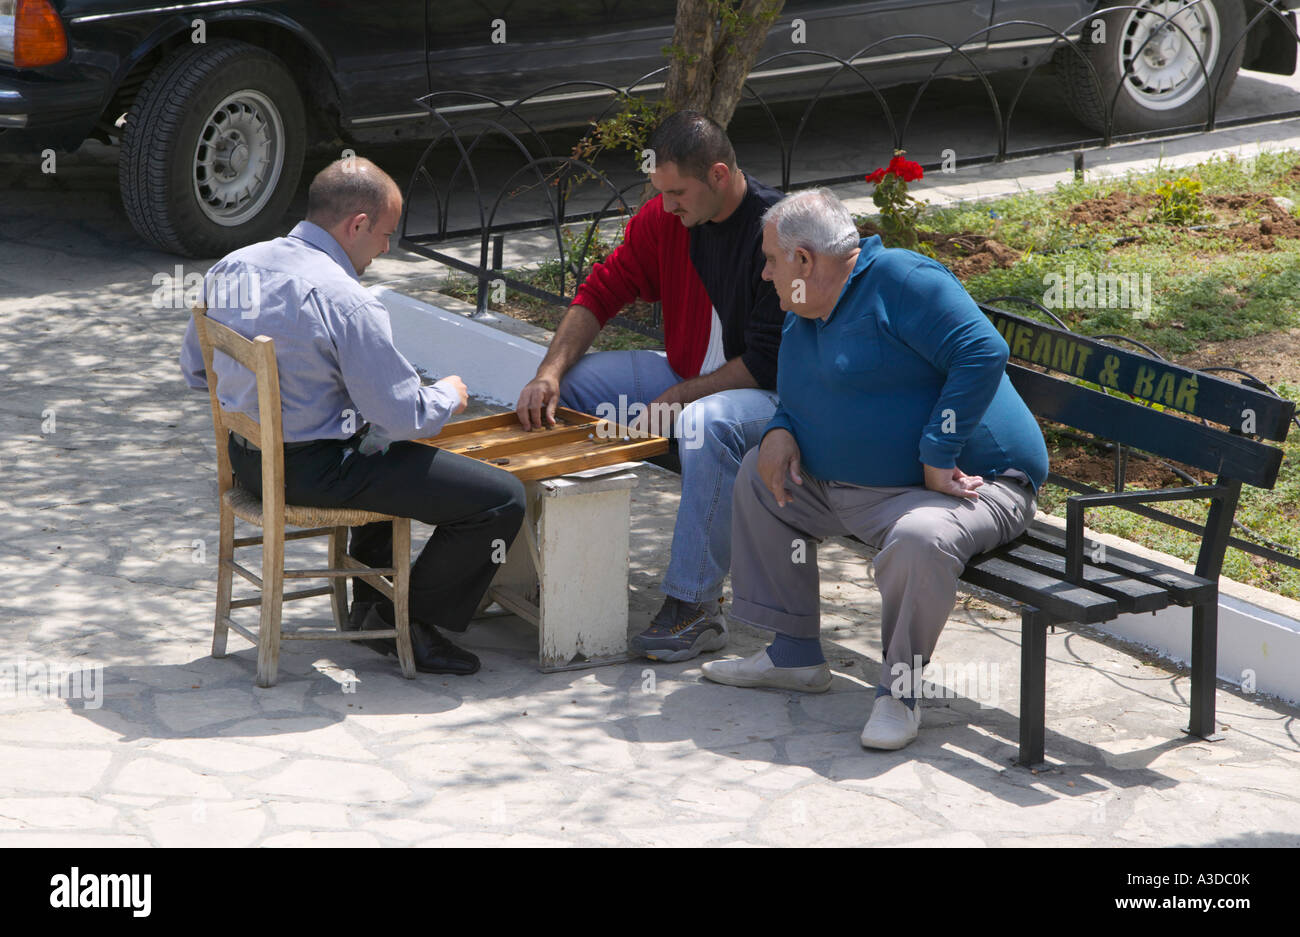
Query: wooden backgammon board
pixel 577 442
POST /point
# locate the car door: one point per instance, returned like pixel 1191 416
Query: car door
pixel 862 33
pixel 511 48
pixel 377 55
pixel 1057 15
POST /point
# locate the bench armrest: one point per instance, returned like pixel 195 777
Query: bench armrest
pixel 1077 504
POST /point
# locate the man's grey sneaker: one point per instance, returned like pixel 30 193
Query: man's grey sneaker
pixel 682 630
pixel 759 671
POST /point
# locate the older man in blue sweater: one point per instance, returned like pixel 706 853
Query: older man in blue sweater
pixel 897 424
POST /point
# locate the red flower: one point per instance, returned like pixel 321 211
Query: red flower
pixel 905 169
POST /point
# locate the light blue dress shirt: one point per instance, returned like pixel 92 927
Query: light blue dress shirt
pixel 333 343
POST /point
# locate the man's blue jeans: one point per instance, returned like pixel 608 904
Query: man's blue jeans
pixel 713 435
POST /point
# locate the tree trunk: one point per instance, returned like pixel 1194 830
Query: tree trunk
pixel 714 46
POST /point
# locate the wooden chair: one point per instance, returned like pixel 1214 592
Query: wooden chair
pixel 272 515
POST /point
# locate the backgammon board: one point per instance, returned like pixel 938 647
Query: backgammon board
pixel 577 442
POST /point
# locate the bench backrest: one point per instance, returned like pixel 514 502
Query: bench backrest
pixel 1148 418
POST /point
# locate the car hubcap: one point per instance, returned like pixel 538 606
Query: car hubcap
pixel 1159 46
pixel 238 158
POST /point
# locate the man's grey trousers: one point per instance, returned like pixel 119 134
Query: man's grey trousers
pixel 924 539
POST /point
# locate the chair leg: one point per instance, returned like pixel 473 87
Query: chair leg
pixel 268 633
pixel 225 577
pixel 1205 643
pixel 1033 684
pixel 402 594
pixel 338 550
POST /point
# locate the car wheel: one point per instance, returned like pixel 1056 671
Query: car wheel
pixel 1148 64
pixel 212 149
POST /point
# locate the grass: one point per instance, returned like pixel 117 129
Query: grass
pixel 1205 287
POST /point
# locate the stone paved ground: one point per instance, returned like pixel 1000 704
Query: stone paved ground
pixel 107 482
pixel 108 556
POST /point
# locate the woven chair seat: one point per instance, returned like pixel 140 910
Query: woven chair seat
pixel 248 506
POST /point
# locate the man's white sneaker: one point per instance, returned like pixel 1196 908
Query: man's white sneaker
pixel 892 724
pixel 759 671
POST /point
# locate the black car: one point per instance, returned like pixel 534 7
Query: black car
pixel 213 102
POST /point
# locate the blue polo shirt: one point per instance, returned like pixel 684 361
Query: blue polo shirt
pixel 905 371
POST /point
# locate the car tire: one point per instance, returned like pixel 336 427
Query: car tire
pixel 212 149
pixel 1134 73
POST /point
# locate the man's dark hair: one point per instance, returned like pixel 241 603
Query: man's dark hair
pixel 694 142
pixel 348 186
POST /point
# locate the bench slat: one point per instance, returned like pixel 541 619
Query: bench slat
pixel 1060 599
pixel 1133 595
pixel 1184 588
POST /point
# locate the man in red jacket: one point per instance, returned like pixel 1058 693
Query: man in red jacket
pixel 696 247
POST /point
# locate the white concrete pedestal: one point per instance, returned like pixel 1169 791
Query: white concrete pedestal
pixel 566 572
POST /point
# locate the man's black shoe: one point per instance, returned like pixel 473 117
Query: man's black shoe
pixel 433 653
pixel 364 616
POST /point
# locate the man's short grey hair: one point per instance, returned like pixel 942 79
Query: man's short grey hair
pixel 815 220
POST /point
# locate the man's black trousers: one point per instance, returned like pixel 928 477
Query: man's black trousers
pixel 476 508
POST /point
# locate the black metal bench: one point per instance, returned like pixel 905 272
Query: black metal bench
pixel 1050 575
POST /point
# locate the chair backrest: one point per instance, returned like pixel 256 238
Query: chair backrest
pixel 258 356
pixel 1158 392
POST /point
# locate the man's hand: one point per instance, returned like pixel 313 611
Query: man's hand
pixel 953 482
pixel 457 386
pixel 540 394
pixel 778 458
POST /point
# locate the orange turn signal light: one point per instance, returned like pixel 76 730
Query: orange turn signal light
pixel 39 38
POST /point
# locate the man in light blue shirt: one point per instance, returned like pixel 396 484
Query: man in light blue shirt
pixel 340 376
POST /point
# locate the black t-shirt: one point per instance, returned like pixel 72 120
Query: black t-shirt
pixel 728 256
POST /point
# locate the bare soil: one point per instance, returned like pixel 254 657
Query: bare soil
pixel 1093 467
pixel 965 254
pixel 1226 217
pixel 1273 357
